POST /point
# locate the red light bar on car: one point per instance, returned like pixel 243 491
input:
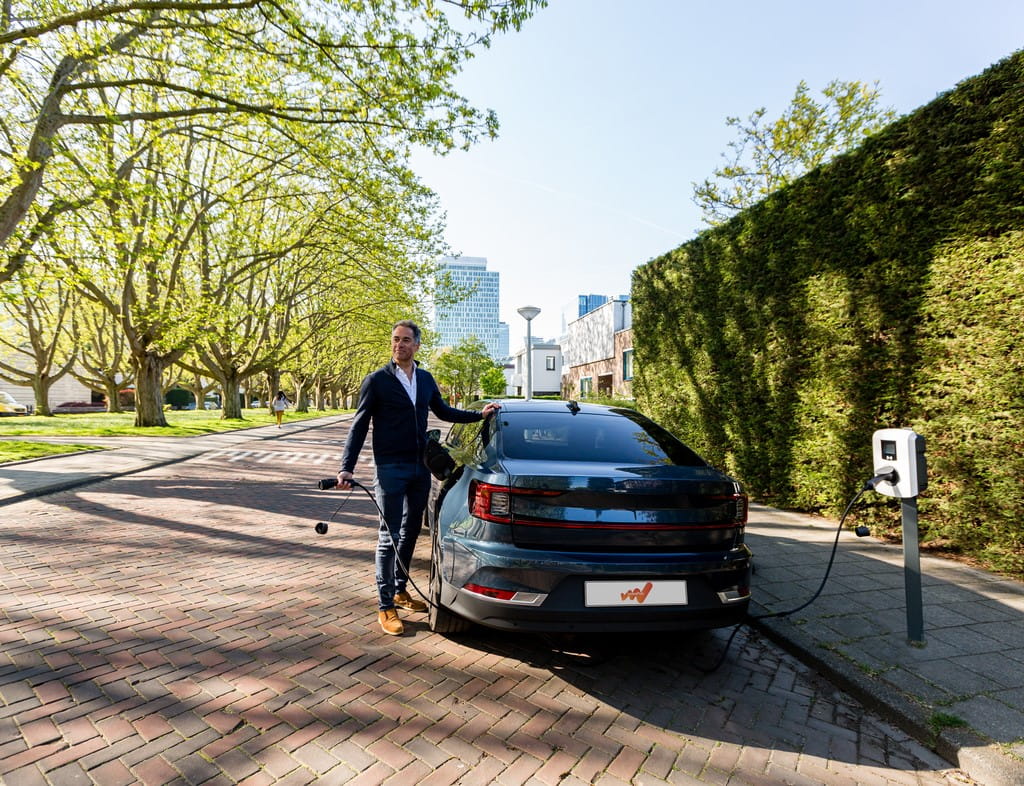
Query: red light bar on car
pixel 508 596
pixel 491 592
pixel 494 503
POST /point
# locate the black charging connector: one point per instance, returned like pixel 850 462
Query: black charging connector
pixel 888 475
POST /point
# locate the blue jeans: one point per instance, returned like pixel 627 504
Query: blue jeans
pixel 402 491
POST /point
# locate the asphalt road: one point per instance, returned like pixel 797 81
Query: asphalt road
pixel 186 625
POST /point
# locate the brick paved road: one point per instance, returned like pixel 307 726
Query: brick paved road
pixel 187 626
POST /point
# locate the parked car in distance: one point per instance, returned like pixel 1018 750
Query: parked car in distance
pixel 568 517
pixel 10 406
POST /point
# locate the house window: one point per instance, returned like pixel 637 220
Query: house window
pixel 586 386
pixel 549 362
pixel 627 364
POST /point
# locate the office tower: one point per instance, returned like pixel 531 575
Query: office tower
pixel 475 315
pixel 503 340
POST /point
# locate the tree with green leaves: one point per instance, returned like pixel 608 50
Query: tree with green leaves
pixel 493 383
pixel 768 155
pixel 36 348
pixel 458 369
pixel 381 68
pixel 103 361
pixel 117 117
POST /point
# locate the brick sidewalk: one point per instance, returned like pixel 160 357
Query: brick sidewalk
pixel 185 625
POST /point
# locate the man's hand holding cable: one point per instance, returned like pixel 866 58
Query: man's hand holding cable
pixel 345 480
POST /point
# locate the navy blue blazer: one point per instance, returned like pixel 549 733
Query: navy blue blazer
pixel 399 428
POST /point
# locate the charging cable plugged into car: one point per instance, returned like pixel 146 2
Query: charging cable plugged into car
pixel 901 471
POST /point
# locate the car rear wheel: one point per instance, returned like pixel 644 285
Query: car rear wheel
pixel 441 620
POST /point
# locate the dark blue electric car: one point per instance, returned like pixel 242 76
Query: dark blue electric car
pixel 573 517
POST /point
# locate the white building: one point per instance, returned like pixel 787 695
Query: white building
pixel 547 370
pixel 65 390
pixel 503 339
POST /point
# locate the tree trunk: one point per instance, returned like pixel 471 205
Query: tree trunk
pixel 301 400
pixel 111 390
pixel 232 405
pixel 41 392
pixel 149 390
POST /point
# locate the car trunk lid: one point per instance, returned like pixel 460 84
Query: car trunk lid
pixel 597 506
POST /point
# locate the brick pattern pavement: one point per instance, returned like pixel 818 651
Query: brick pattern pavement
pixel 186 626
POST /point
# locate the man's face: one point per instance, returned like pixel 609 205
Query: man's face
pixel 403 345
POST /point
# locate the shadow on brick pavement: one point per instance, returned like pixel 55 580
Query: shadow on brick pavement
pixel 970 667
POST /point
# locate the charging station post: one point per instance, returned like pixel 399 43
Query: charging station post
pixel 901 471
pixel 912 571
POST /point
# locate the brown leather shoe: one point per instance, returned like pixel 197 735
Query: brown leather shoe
pixel 390 623
pixel 406 601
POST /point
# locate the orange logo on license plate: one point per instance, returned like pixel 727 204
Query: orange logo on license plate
pixel 638 594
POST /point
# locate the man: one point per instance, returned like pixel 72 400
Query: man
pixel 395 399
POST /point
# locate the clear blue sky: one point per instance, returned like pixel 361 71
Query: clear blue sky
pixel 611 109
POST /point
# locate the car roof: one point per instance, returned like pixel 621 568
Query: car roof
pixel 518 405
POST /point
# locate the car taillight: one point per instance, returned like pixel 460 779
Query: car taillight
pixel 491 592
pixel 521 597
pixel 736 507
pixel 490 502
pixel 494 503
pixel 741 508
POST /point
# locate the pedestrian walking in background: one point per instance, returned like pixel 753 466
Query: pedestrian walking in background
pixel 396 400
pixel 279 405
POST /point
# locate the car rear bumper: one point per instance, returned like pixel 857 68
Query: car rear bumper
pixel 716 588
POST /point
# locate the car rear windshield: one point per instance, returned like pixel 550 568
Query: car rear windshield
pixel 620 437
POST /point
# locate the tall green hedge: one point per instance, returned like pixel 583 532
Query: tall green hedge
pixel 884 289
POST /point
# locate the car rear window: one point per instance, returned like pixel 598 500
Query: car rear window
pixel 621 437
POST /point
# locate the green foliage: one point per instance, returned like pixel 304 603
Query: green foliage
pixel 492 382
pixel 178 398
pixel 938 722
pixel 972 400
pixel 459 369
pixel 230 185
pixel 610 401
pixel 883 289
pixel 768 156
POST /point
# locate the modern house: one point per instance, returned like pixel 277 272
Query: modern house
pixel 598 352
pixel 547 370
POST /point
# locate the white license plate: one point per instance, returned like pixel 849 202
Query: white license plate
pixel 634 593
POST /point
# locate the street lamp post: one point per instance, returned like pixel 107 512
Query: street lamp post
pixel 528 313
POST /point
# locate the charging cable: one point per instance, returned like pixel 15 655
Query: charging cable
pixel 828 569
pixel 888 475
pixel 322 526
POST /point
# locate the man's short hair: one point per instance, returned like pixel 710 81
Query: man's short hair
pixel 411 325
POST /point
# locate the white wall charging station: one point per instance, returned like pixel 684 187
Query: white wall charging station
pixel 902 450
pixel 902 471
